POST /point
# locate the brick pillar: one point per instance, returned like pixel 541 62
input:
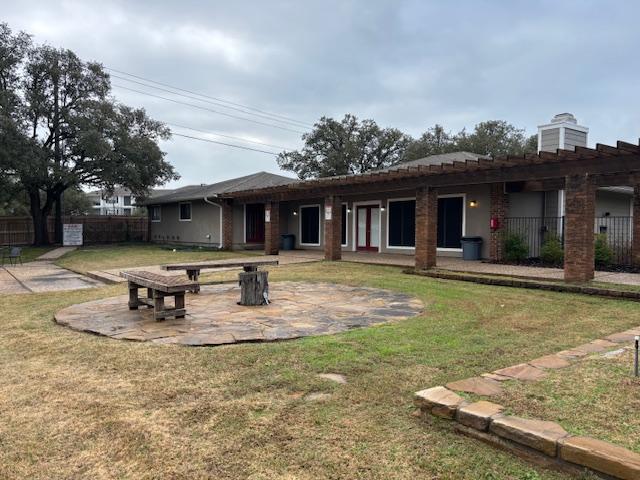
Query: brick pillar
pixel 227 225
pixel 333 229
pixel 271 228
pixel 498 208
pixel 635 246
pixel 580 196
pixel 426 227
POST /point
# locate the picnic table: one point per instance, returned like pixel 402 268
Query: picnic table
pixel 254 284
pixel 158 288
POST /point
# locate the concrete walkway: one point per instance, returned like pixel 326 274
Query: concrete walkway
pixel 41 276
pixel 56 253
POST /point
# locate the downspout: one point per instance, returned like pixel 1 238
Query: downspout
pixel 206 200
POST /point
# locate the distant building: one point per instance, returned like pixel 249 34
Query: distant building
pixel 120 202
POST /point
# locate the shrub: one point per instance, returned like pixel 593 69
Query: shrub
pixel 515 248
pixel 552 251
pixel 603 252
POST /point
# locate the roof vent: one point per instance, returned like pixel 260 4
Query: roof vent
pixel 564 118
pixel 562 132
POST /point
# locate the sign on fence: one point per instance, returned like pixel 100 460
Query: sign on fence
pixel 72 234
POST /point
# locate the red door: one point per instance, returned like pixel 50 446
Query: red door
pixel 368 228
pixel 254 223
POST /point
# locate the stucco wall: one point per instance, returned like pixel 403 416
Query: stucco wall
pixel 615 204
pixel 205 220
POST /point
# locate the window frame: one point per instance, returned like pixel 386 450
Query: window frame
pixel 464 219
pixel 388 215
pixel 300 208
pixel 346 225
pixel 180 204
pixel 159 219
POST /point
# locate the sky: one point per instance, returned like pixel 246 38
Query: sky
pixel 405 64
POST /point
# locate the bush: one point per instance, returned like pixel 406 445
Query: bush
pixel 515 248
pixel 604 253
pixel 552 251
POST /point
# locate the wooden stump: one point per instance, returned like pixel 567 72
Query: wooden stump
pixel 254 288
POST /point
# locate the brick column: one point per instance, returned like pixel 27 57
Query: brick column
pixel 426 227
pixel 498 208
pixel 271 228
pixel 635 246
pixel 580 196
pixel 333 229
pixel 226 240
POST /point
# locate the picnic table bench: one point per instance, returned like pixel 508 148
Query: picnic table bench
pixel 254 284
pixel 158 287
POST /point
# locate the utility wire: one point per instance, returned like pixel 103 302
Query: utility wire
pixel 209 109
pixel 305 124
pixel 226 136
pixel 219 104
pixel 225 144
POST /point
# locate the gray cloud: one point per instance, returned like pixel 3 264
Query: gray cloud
pixel 407 64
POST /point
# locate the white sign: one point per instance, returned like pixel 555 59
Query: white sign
pixel 72 234
pixel 328 212
pixel 267 216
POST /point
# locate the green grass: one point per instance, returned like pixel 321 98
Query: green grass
pixel 104 257
pixel 73 405
pixel 29 254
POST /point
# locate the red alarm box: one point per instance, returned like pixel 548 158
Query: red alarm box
pixel 494 223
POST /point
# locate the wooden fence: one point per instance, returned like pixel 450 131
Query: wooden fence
pixel 96 229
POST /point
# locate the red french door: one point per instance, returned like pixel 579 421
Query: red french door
pixel 254 223
pixel 368 228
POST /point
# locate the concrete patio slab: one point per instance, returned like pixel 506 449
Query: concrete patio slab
pixel 36 277
pixel 56 253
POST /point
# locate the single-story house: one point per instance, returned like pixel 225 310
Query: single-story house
pixel 423 207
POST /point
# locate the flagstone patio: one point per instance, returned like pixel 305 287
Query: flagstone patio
pixel 215 318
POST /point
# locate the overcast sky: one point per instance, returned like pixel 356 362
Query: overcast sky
pixel 406 64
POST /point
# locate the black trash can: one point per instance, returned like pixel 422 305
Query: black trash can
pixel 471 248
pixel 288 241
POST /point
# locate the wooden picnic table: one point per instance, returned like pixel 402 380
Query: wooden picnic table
pixel 254 284
pixel 158 287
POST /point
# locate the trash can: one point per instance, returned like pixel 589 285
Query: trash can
pixel 288 241
pixel 471 248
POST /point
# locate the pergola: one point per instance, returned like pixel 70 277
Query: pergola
pixel 579 172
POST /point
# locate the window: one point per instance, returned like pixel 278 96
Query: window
pixel 155 213
pixel 127 200
pixel 343 237
pixel 402 223
pixel 450 222
pixel 185 212
pixel 310 225
pixel 254 223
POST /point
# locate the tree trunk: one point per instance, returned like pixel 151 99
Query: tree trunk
pixel 254 288
pixel 58 219
pixel 40 233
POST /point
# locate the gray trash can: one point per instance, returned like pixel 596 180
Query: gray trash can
pixel 288 241
pixel 471 248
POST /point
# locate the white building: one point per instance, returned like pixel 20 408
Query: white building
pixel 121 202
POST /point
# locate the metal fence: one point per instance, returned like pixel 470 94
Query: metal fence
pixel 618 232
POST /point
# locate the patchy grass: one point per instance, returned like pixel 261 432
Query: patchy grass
pixel 104 257
pixel 29 254
pixel 73 405
pixel 596 396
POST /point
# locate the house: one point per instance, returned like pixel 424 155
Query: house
pixel 120 202
pixel 424 207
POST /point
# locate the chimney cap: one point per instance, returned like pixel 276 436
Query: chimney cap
pixel 564 118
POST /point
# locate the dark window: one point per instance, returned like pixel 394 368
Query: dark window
pixel 344 225
pixel 155 213
pixel 255 223
pixel 310 225
pixel 450 211
pixel 127 200
pixel 402 223
pixel 185 211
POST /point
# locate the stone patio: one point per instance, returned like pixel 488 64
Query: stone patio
pixel 215 318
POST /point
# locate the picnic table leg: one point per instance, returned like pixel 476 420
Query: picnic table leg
pixel 179 300
pixel 158 305
pixel 194 275
pixel 133 296
pixel 149 296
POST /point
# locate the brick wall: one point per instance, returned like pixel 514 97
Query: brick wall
pixel 227 225
pixel 498 209
pixel 333 229
pixel 426 227
pixel 272 228
pixel 580 194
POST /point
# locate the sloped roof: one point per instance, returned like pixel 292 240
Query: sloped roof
pixel 440 159
pixel 248 182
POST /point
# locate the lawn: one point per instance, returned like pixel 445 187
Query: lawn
pixel 104 257
pixel 73 405
pixel 29 254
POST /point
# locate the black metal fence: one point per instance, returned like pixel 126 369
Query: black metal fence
pixel 534 231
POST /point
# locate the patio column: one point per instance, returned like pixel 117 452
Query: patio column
pixel 332 228
pixel 226 236
pixel 426 227
pixel 635 235
pixel 271 228
pixel 498 208
pixel 580 196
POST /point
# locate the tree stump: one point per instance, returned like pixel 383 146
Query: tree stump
pixel 254 288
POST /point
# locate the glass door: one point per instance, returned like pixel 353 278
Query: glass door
pixel 368 227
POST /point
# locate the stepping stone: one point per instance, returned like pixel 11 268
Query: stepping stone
pixel 523 371
pixel 572 353
pixel 596 346
pixel 440 401
pixel 601 456
pixel 550 362
pixel 478 415
pixel 496 377
pixel 334 377
pixel 613 353
pixel 317 397
pixel 537 434
pixel 622 337
pixel 477 385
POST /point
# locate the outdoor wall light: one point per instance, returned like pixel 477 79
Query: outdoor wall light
pixel 382 209
pixel 348 210
pixel 473 203
pixel 295 213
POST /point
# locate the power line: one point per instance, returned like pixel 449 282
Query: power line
pixel 226 136
pixel 225 144
pixel 209 109
pixel 220 104
pixel 306 124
